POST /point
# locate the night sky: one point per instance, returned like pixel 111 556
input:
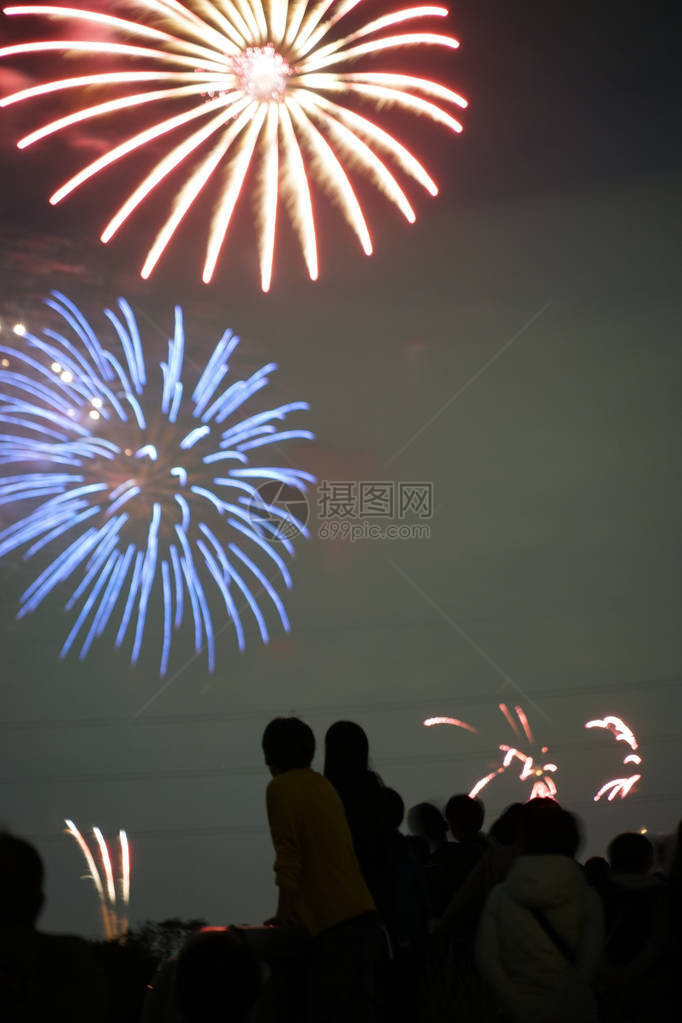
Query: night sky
pixel 553 562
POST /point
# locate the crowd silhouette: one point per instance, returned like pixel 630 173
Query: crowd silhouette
pixel 450 922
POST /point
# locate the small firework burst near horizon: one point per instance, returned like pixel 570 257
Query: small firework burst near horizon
pixel 113 894
pixel 145 497
pixel 533 768
pixel 251 85
pixel 622 733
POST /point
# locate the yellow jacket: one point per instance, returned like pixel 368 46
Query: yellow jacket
pixel 314 855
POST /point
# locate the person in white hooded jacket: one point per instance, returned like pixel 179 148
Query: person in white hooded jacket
pixel 540 937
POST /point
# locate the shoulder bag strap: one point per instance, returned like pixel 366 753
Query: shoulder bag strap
pixel 559 943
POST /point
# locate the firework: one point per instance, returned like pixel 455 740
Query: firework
pixel 450 721
pixel 114 923
pixel 533 768
pixel 143 493
pixel 250 83
pixel 622 733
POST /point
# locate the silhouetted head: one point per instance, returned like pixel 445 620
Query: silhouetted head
pixel 288 743
pixel 465 816
pixel 21 882
pixel 217 977
pixel 391 809
pixel 346 751
pixel 427 820
pixel 631 853
pixel 545 829
pixel 596 871
pixel 505 830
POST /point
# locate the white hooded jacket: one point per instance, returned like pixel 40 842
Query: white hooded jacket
pixel 531 976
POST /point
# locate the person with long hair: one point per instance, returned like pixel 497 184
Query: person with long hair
pixel 346 766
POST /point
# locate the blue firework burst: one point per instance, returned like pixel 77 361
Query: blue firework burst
pixel 140 493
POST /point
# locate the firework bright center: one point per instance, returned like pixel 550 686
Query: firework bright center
pixel 262 73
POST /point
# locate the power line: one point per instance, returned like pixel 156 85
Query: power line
pixel 167 833
pixel 597 744
pixel 323 710
pixel 255 829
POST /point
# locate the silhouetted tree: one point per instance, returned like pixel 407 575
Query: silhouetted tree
pixel 161 939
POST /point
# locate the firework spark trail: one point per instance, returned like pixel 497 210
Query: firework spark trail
pixel 263 80
pixel 482 782
pixel 126 487
pixel 510 720
pixel 543 786
pixel 617 727
pixel 110 888
pixel 125 867
pixel 93 875
pixel 617 787
pixel 115 926
pixel 622 733
pixel 450 721
pixel 106 864
pixel 124 847
pixel 521 715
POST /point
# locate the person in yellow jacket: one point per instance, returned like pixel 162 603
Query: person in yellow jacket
pixel 321 887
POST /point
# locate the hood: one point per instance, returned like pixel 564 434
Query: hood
pixel 545 882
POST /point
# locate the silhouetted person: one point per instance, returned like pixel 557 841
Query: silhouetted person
pixel 321 887
pixel 504 831
pixel 457 987
pixel 456 930
pixel 675 877
pixel 420 848
pixel 42 976
pixel 541 933
pixel 673 949
pixel 465 817
pixel 346 766
pixel 631 855
pixel 426 821
pixel 409 914
pixel 596 872
pixel 214 976
pixel 451 863
pixel 217 978
pixel 405 909
pixel 635 909
pixel 461 917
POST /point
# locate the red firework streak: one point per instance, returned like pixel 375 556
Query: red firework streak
pixel 623 733
pixel 533 769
